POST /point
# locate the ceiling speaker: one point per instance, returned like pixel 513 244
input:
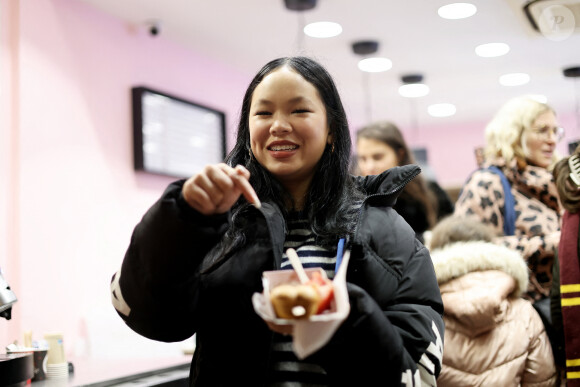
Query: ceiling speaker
pixel 299 5
pixel 365 47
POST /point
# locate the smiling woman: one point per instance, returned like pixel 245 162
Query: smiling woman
pixel 203 247
pixel 288 129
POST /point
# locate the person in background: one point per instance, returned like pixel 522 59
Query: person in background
pixel 566 283
pixel 381 146
pixel 198 255
pixel 493 337
pixel 521 142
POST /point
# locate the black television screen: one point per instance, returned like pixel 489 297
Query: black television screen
pixel 173 136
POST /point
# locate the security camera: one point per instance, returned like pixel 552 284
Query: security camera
pixel 154 28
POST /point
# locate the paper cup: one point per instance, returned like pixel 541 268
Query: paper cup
pixel 40 363
pixel 57 371
pixel 55 348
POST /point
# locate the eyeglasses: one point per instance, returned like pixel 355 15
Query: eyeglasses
pixel 546 132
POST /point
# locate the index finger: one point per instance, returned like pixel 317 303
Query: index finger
pixel 241 181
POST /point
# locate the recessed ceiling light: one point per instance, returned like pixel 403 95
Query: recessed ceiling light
pixel 514 79
pixel 414 90
pixel 457 11
pixel 323 29
pixel 375 65
pixel 491 50
pixel 441 110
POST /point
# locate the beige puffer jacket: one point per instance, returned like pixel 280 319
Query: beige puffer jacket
pixel 492 336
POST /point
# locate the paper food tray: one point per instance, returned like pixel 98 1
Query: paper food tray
pixel 312 333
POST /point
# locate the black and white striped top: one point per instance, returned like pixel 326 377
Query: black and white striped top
pixel 288 370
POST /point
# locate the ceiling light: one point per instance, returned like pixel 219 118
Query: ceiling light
pixel 491 50
pixel 323 29
pixel 414 90
pixel 413 86
pixel 457 11
pixel 441 110
pixel 375 65
pixel 514 79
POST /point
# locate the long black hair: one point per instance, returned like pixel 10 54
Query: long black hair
pixel 329 202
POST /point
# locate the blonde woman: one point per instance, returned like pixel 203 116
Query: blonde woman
pixel 521 142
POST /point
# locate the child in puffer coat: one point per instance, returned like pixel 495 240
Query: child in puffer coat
pixel 492 336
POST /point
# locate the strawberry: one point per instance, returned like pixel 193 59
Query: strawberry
pixel 325 290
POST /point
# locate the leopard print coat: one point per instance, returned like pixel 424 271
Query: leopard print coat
pixel 537 216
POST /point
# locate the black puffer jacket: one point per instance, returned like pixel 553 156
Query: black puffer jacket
pixel 393 335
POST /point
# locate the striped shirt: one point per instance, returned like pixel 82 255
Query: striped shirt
pixel 288 370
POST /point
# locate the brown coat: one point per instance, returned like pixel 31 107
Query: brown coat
pixel 492 336
pixel 537 216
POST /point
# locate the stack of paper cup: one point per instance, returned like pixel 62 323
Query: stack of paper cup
pixel 57 371
pixel 56 364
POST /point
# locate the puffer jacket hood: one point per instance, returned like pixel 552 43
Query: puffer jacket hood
pixel 389 183
pixel 460 258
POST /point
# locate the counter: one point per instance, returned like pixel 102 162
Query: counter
pixel 126 372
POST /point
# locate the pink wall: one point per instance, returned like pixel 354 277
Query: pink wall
pixel 77 196
pixel 8 152
pixel 69 197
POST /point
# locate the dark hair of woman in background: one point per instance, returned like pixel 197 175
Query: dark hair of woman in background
pixel 381 146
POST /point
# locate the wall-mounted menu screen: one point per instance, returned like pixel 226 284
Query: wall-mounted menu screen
pixel 173 136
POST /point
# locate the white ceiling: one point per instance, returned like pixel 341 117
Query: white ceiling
pixel 249 33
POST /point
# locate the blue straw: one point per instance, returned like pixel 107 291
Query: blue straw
pixel 339 253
